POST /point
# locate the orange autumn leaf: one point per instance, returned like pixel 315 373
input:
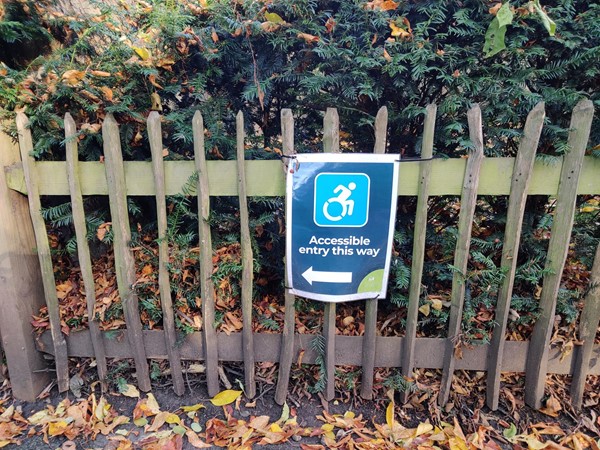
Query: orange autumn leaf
pixel 73 77
pixel 309 38
pixel 107 93
pixel 382 5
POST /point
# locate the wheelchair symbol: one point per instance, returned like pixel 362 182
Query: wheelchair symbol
pixel 343 199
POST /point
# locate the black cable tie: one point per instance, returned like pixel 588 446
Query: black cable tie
pixel 403 160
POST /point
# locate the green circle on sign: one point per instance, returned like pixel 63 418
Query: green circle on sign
pixel 372 282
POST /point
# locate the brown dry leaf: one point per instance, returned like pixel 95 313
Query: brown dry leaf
pixel 152 80
pixel 552 407
pixel 330 25
pixel 494 9
pixel 73 77
pixel 107 92
pixel 383 5
pixel 102 230
pixel 195 441
pixel 100 73
pixel 386 55
pixel 309 38
pixel 214 36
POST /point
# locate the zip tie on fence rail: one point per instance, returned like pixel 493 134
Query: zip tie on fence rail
pixel 296 166
pixel 401 160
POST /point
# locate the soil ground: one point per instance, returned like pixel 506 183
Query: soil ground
pixel 305 411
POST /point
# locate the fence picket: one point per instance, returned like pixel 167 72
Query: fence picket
pixel 43 250
pixel 164 286
pixel 287 336
pixel 83 249
pixel 331 144
pixel 370 344
pixel 588 324
pixel 247 263
pixel 510 250
pixel 211 352
pixel 564 213
pixel 468 202
pixel 418 256
pixel 124 261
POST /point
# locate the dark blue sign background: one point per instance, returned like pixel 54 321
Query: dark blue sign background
pixel 343 255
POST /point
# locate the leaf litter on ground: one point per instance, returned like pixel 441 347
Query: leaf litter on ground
pixel 151 428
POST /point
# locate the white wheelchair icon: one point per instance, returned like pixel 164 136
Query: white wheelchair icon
pixel 343 199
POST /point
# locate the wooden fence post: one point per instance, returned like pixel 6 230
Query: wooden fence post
pixel 207 288
pixel 124 261
pixel 21 292
pixel 370 340
pixel 416 271
pixel 468 201
pixel 43 250
pixel 164 286
pixel 247 263
pixel 83 249
pixel 564 215
pixel 522 173
pixel 287 337
pixel 331 144
pixel 588 324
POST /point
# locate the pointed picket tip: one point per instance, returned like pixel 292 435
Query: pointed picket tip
pixel 583 105
pixel 198 118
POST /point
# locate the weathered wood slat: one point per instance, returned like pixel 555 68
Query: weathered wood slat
pixel 247 262
pixel 369 344
pixel 535 375
pixel 418 256
pixel 429 352
pixel 265 178
pixel 287 337
pixel 588 324
pixel 468 202
pixel 206 264
pixel 83 249
pixel 21 287
pixel 510 249
pixel 331 144
pixel 124 261
pixel 43 249
pixel 164 286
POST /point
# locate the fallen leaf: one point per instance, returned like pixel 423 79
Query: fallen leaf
pixel 191 408
pixel 73 77
pixel 142 52
pixel 225 397
pixel 309 38
pixel 389 415
pixel 274 17
pixel 129 390
pixel 195 441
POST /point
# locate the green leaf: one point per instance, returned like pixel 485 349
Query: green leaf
pixel 510 432
pixel 505 15
pixel 196 427
pixel 178 429
pixel 273 17
pixel 494 39
pixel 546 20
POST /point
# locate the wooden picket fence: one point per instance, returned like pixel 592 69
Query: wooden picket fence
pixel 468 177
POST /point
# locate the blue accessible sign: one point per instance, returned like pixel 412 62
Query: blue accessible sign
pixel 341 210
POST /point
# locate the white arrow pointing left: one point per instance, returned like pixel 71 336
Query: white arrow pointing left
pixel 311 275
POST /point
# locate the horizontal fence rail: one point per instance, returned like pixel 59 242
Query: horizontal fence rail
pixel 265 178
pixel 470 177
pixel 429 352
